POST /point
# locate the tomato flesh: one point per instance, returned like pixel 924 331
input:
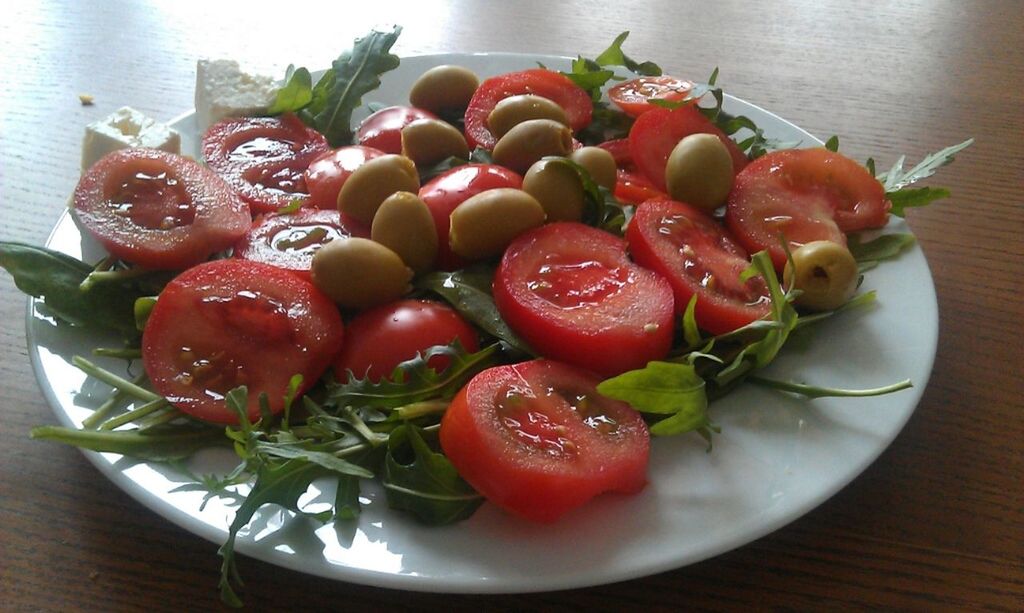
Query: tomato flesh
pixel 634 96
pixel 227 323
pixel 697 256
pixel 290 240
pixel 379 339
pixel 264 158
pixel 157 209
pixel 327 173
pixel 572 294
pixel 538 81
pixel 537 439
pixel 383 129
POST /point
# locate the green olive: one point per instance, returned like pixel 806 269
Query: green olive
pixel 484 224
pixel 530 141
pixel 403 223
pixel 374 181
pixel 514 110
pixel 825 272
pixel 599 163
pixel 558 189
pixel 428 141
pixel 444 89
pixel 699 171
pixel 359 273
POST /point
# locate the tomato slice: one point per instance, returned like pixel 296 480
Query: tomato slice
pixel 383 129
pixel 545 83
pixel 537 439
pixel 227 323
pixel 634 96
pixel 804 195
pixel 634 188
pixel 619 148
pixel 327 173
pixel 379 339
pixel 157 209
pixel 657 132
pixel 290 240
pixel 447 191
pixel 697 256
pixel 264 158
pixel 570 291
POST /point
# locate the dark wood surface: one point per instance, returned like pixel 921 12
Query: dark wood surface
pixel 937 522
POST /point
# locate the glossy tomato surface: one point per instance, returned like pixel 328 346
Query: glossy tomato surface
pixel 157 209
pixel 572 294
pixel 537 439
pixel 634 187
pixel 264 158
pixel 697 256
pixel 447 191
pixel 634 96
pixel 383 129
pixel 803 195
pixel 327 173
pixel 538 81
pixel 379 339
pixel 228 323
pixel 290 240
pixel 657 132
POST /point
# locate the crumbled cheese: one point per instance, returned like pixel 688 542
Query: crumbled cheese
pixel 86 99
pixel 125 128
pixel 224 90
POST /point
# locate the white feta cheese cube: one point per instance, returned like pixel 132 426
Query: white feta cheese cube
pixel 125 128
pixel 224 90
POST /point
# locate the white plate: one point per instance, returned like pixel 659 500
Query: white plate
pixel 777 456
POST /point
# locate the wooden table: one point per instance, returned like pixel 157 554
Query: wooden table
pixel 936 523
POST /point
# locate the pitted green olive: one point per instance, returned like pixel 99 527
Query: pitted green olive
pixel 428 141
pixel 599 163
pixel 825 272
pixel 514 110
pixel 374 181
pixel 444 89
pixel 558 189
pixel 530 141
pixel 359 273
pixel 484 224
pixel 699 171
pixel 403 223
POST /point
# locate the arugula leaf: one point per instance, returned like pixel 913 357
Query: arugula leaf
pixel 426 484
pixel 896 179
pixel 663 388
pixel 884 247
pixel 613 56
pixel 601 208
pixel 906 198
pixel 832 144
pixel 296 93
pixel 813 391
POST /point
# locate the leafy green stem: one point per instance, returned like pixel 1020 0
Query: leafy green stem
pixel 813 391
pixel 113 380
pixel 130 416
pixel 132 353
pixel 419 409
pixel 103 411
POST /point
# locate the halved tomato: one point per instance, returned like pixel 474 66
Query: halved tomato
pixel 619 148
pixel 264 158
pixel 572 294
pixel 545 83
pixel 634 188
pixel 290 240
pixel 697 256
pixel 634 96
pixel 447 191
pixel 803 195
pixel 228 323
pixel 657 132
pixel 383 129
pixel 158 209
pixel 327 173
pixel 538 440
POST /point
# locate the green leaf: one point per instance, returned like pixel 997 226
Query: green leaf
pixel 440 168
pixel 663 388
pixel 884 247
pixel 346 498
pixel 159 445
pixel 419 480
pixel 691 333
pixel 832 144
pixel 601 208
pixel 141 310
pixel 813 391
pixel 906 198
pixel 896 179
pixel 296 93
pixel 355 73
pixel 326 460
pixel 613 56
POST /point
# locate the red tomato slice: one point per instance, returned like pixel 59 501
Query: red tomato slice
pixel 804 195
pixel 327 173
pixel 158 209
pixel 378 340
pixel 697 256
pixel 264 158
pixel 383 130
pixel 227 323
pixel 541 82
pixel 619 148
pixel 634 188
pixel 657 132
pixel 537 439
pixel 447 191
pixel 572 294
pixel 289 241
pixel 633 96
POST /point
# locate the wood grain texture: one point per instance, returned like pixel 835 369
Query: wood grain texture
pixel 936 523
